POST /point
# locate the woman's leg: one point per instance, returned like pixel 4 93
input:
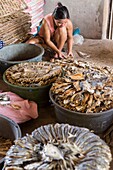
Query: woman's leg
pixel 60 37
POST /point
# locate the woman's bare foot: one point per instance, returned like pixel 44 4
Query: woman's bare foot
pixel 56 56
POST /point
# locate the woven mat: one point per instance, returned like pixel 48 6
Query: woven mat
pixel 8 7
pixel 15 28
pixel 19 16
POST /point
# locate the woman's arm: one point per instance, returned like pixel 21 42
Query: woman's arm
pixel 47 38
pixel 70 38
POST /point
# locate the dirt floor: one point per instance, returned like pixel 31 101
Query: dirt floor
pixel 99 52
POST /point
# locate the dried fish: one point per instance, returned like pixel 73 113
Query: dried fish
pixel 33 74
pixel 13 168
pixel 84 87
pixel 67 147
pixel 78 76
pixel 5 144
pixel 81 54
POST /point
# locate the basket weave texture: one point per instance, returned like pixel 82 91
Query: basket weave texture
pixel 8 7
pixel 14 23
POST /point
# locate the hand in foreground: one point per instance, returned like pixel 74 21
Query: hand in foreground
pixel 70 54
pixel 59 55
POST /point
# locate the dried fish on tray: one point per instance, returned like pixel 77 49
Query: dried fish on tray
pixel 59 147
pixel 33 74
pixel 5 144
pixel 63 61
pixel 84 88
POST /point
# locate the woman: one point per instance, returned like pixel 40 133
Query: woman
pixel 56 29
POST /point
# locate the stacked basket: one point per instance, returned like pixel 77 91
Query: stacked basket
pixel 14 23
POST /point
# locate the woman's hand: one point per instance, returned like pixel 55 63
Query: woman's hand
pixel 70 54
pixel 59 55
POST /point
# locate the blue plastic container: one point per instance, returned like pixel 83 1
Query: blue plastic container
pixel 76 31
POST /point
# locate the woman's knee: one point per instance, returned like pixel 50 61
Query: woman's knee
pixel 62 31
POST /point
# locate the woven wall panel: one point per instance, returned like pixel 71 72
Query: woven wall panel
pixel 15 28
pixel 19 19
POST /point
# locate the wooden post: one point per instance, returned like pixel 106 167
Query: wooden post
pixel 105 19
pixel 111 19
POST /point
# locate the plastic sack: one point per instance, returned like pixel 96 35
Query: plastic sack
pixel 78 39
pixel 16 108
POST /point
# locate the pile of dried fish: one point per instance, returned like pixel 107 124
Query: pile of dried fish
pixel 84 88
pixel 64 61
pixel 59 147
pixel 5 144
pixel 33 74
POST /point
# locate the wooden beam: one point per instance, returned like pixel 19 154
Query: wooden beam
pixel 105 18
pixel 110 21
